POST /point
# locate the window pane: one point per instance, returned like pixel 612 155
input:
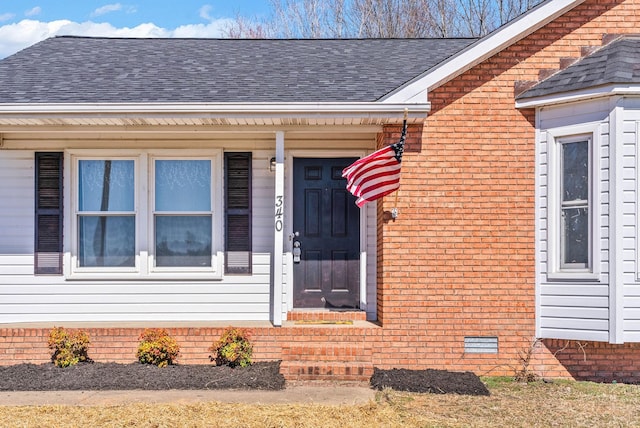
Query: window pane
pixel 575 178
pixel 576 236
pixel 183 185
pixel 183 240
pixel 106 185
pixel 107 241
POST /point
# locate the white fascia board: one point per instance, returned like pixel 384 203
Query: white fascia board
pixel 479 51
pixel 581 95
pixel 393 111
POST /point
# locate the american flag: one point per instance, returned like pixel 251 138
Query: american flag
pixel 378 174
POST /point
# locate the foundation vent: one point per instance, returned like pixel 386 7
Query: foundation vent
pixel 480 345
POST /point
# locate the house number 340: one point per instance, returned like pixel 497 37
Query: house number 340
pixel 278 215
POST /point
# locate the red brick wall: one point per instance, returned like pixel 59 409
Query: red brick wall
pixel 307 352
pixel 459 259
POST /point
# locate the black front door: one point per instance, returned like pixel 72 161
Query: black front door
pixel 327 221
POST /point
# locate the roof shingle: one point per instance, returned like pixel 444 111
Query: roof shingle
pixel 122 70
pixel 617 62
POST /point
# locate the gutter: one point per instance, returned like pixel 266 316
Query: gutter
pixel 392 112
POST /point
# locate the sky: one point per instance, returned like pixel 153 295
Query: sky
pixel 25 22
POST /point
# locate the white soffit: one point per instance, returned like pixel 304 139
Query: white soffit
pixel 479 51
pixel 210 114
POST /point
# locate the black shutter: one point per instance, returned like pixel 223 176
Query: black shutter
pixel 237 198
pixel 48 214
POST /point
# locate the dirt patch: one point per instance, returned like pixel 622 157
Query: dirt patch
pixel 432 381
pixel 112 376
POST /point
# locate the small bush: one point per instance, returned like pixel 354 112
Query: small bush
pixel 69 347
pixel 157 347
pixel 233 348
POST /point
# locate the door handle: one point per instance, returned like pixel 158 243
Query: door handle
pixel 296 251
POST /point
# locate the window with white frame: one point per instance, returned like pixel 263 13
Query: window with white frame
pixel 106 214
pixel 574 204
pixel 182 215
pixel 146 215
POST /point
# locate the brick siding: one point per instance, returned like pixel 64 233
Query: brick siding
pixel 459 259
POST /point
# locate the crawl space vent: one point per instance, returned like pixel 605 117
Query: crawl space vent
pixel 480 345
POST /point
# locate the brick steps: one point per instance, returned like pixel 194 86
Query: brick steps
pixel 327 316
pixel 326 371
pixel 345 361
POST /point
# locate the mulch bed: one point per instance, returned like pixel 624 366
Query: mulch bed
pixel 262 375
pixel 112 376
pixel 432 381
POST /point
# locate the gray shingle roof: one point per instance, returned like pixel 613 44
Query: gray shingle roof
pixel 115 70
pixel 617 62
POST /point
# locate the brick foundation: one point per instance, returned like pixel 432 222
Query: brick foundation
pixel 343 353
pixel 306 352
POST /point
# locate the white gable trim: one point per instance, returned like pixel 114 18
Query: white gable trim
pixel 416 90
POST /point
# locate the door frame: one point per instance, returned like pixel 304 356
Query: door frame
pixel 288 223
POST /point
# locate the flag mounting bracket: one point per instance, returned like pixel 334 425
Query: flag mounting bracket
pixel 394 210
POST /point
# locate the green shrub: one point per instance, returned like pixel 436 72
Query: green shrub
pixel 233 348
pixel 157 347
pixel 69 347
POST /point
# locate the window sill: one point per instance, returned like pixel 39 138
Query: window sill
pixel 573 276
pixel 122 277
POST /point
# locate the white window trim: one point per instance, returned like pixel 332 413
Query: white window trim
pixel 555 139
pixel 144 197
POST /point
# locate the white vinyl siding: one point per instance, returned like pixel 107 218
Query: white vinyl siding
pixel 17 206
pixel 28 298
pixel 25 297
pixel 571 304
pixel 608 308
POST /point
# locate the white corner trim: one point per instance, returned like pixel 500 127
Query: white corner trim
pixel 482 49
pixel 616 222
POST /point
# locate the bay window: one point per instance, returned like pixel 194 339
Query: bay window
pixel 572 253
pixel 574 205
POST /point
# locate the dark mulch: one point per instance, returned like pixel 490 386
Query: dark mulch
pixel 433 381
pixel 262 375
pixel 112 376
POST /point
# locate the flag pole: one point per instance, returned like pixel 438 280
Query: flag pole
pixel 394 210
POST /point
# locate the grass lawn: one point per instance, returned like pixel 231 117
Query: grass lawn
pixel 511 404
